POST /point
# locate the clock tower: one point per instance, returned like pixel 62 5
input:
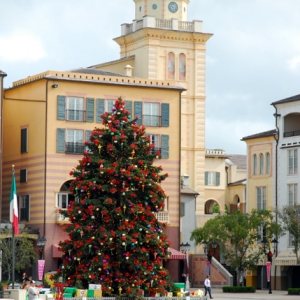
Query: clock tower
pixel 162 9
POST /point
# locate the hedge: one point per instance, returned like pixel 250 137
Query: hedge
pixel 294 291
pixel 238 289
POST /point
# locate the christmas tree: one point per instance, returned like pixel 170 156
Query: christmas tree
pixel 115 238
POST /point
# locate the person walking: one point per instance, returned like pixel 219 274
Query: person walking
pixel 207 286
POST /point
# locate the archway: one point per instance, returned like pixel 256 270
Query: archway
pixel 209 206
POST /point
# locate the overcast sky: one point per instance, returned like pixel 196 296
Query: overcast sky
pixel 253 58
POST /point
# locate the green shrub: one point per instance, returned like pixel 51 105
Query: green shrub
pixel 238 289
pixel 294 291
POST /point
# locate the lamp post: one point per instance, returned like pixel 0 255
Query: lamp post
pixel 41 242
pixel 185 248
pixel 269 257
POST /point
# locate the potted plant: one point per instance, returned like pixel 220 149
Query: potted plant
pixel 4 285
pixel 216 209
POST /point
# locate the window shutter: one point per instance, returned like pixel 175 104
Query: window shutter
pixel 182 209
pixel 100 109
pixel 138 111
pixel 90 109
pixel 27 208
pixel 60 140
pixel 206 178
pixel 24 140
pixel 217 178
pixel 165 114
pixel 128 106
pixel 61 107
pixel 164 146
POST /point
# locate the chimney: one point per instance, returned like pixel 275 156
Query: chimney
pixel 185 179
pixel 128 70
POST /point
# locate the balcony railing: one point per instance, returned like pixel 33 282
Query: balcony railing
pixel 162 216
pixel 75 115
pixel 151 120
pixel 60 218
pixel 74 148
pixel 291 133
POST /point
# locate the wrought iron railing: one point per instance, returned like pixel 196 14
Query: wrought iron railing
pixel 151 120
pixel 74 148
pixel 75 115
pixel 291 133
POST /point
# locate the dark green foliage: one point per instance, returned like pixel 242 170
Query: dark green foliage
pixel 294 291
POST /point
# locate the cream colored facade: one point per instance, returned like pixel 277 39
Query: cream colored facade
pixel 37 141
pixel 163 45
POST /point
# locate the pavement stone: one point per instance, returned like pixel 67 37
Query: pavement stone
pixel 218 294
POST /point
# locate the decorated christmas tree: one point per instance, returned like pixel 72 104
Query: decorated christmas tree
pixel 115 238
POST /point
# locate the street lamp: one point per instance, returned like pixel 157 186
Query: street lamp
pixel 185 248
pixel 41 242
pixel 270 256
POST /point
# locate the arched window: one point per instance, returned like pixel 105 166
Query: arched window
pixel 182 67
pixel 261 164
pixel 268 163
pixel 171 66
pixel 254 164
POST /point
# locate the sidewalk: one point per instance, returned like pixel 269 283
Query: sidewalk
pixel 218 294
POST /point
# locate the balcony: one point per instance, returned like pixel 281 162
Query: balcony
pixel 163 217
pixel 60 219
pixel 74 148
pixel 75 115
pixel 152 22
pixel 291 133
pixel 151 120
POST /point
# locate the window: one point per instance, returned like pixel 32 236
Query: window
pixel 109 105
pixel 254 164
pixel 166 203
pixel 261 198
pixel 268 163
pixel 290 240
pixel 24 202
pixel 182 209
pixel 62 200
pixel 161 144
pixel 182 66
pixel 261 234
pixel 72 109
pixel 261 164
pixel 75 109
pixel 292 194
pixel 293 161
pixel 23 175
pixel 152 114
pixel 212 178
pixel 70 141
pixel 171 66
pixel 24 140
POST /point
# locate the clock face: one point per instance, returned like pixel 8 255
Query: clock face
pixel 173 7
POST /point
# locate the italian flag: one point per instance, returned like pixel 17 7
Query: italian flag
pixel 14 218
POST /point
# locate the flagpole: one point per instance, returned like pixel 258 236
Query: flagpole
pixel 13 245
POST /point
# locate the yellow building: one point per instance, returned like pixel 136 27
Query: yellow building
pixel 47 119
pixel 261 156
pixel 161 44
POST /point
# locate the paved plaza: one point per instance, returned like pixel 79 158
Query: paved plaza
pixel 218 294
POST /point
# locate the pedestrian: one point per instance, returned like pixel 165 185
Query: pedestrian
pixel 25 286
pixel 33 292
pixel 207 286
pixel 24 278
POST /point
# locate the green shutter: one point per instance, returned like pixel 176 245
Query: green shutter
pixel 138 111
pixel 90 109
pixel 87 138
pixel 165 114
pixel 182 209
pixel 217 178
pixel 128 106
pixel 100 110
pixel 164 146
pixel 60 140
pixel 61 107
pixel 206 178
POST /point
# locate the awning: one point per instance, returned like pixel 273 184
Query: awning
pixel 56 252
pixel 286 258
pixel 175 254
